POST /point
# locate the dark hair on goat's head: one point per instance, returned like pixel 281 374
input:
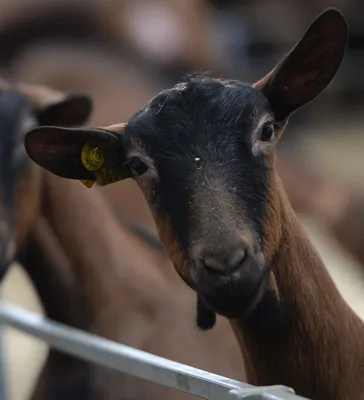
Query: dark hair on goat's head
pixel 203 153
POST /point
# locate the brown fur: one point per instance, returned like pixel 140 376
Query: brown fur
pixel 172 246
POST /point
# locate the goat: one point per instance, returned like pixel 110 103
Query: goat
pixel 21 107
pixel 67 243
pixel 118 87
pixel 203 155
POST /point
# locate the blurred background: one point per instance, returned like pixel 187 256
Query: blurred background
pixel 122 52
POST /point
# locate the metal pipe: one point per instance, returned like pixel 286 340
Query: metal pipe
pixel 136 362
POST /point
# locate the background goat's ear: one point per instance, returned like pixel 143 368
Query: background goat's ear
pixel 309 67
pixel 72 110
pixel 206 318
pixel 68 152
pixel 57 108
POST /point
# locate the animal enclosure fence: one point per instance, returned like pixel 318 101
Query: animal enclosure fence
pixel 135 362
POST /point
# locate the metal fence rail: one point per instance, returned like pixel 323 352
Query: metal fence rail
pixel 136 362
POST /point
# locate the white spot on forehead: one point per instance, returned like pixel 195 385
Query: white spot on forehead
pixel 198 162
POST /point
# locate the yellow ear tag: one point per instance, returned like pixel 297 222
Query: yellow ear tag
pixel 87 183
pixel 106 176
pixel 92 158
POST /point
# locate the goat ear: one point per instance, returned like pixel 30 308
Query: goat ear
pixel 309 67
pixel 56 108
pixel 71 110
pixel 206 318
pixel 86 154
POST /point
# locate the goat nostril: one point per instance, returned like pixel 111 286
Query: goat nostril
pixel 237 258
pixel 214 264
pixel 224 264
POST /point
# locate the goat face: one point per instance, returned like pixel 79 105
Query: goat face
pixel 203 155
pixel 208 183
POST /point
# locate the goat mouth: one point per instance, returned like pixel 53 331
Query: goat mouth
pixel 232 297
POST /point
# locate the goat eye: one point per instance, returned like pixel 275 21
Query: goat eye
pixel 137 166
pixel 267 132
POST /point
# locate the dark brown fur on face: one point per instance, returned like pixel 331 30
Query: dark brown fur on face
pixel 211 177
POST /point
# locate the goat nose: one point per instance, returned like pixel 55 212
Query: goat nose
pixel 224 263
